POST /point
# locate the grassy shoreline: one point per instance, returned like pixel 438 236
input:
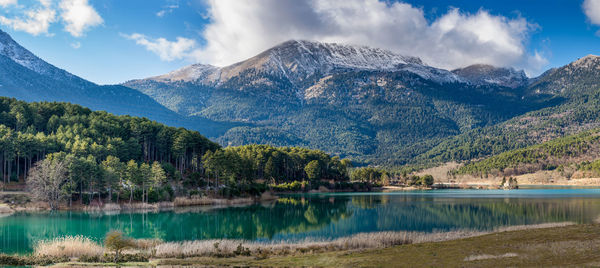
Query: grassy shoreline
pixel 368 249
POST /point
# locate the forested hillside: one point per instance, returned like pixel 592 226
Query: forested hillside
pixel 573 91
pixel 122 156
pixel 575 152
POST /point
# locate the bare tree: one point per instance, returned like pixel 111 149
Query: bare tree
pixel 45 181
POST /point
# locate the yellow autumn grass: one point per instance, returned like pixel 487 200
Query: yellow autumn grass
pixel 68 246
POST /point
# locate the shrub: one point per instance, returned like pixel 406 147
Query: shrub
pixel 289 187
pixel 117 242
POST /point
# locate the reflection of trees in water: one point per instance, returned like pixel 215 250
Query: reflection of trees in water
pixel 291 216
pixel 298 215
pixel 427 214
pixel 19 232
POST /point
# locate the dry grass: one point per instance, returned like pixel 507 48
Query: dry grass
pixel 68 246
pixel 77 246
pixel 227 247
pixel 487 256
pixel 147 206
pixel 196 201
pixel 230 247
pixel 146 244
pixel 533 226
pixel 5 209
pixel 206 201
pixel 112 207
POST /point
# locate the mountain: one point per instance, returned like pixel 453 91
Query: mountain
pixel 370 104
pixel 367 103
pixel 481 74
pixel 572 93
pixel 27 77
pixel 283 70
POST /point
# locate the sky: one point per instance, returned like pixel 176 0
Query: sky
pixel 113 41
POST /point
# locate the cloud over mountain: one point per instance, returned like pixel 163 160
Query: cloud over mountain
pixel 241 28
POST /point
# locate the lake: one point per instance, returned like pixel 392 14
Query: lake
pixel 317 216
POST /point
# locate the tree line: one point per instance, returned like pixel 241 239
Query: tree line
pixel 96 155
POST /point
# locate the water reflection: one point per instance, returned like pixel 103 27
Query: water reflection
pixel 315 216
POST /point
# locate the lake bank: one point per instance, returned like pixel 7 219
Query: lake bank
pixel 238 252
pixel 11 202
pixel 576 245
pixel 315 217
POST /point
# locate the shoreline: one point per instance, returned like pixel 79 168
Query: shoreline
pixel 206 202
pixel 178 203
pixel 227 251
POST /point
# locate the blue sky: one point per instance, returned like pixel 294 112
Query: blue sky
pixel 112 41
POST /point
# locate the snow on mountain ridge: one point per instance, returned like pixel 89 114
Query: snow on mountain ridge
pixel 298 59
pixel 481 74
pixel 188 73
pixel 12 50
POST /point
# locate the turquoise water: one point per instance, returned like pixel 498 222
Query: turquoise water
pixel 319 216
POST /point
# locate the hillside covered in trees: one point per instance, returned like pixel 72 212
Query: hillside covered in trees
pixel 97 154
pixel 573 88
pixel 566 155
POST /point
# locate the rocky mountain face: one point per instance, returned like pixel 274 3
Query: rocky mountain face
pixel 351 100
pixel 27 77
pixel 481 74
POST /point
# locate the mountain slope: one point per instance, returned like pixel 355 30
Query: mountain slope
pixel 574 150
pixel 25 76
pixel 367 103
pixel 481 74
pixel 574 92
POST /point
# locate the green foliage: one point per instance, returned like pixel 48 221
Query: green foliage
pixel 313 170
pixel 244 165
pixel 95 147
pixel 543 156
pixel 425 180
pixel 573 98
pixel 113 157
pixel 369 174
pixel 294 186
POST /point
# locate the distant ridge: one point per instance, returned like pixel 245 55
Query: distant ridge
pixel 27 77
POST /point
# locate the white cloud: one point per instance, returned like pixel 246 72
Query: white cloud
pixel 165 49
pixel 5 3
pixel 592 10
pixel 34 21
pixel 76 45
pixel 79 16
pixel 240 29
pixel 166 10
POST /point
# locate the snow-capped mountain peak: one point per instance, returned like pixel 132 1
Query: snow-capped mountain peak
pixel 189 73
pixel 297 60
pixel 12 50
